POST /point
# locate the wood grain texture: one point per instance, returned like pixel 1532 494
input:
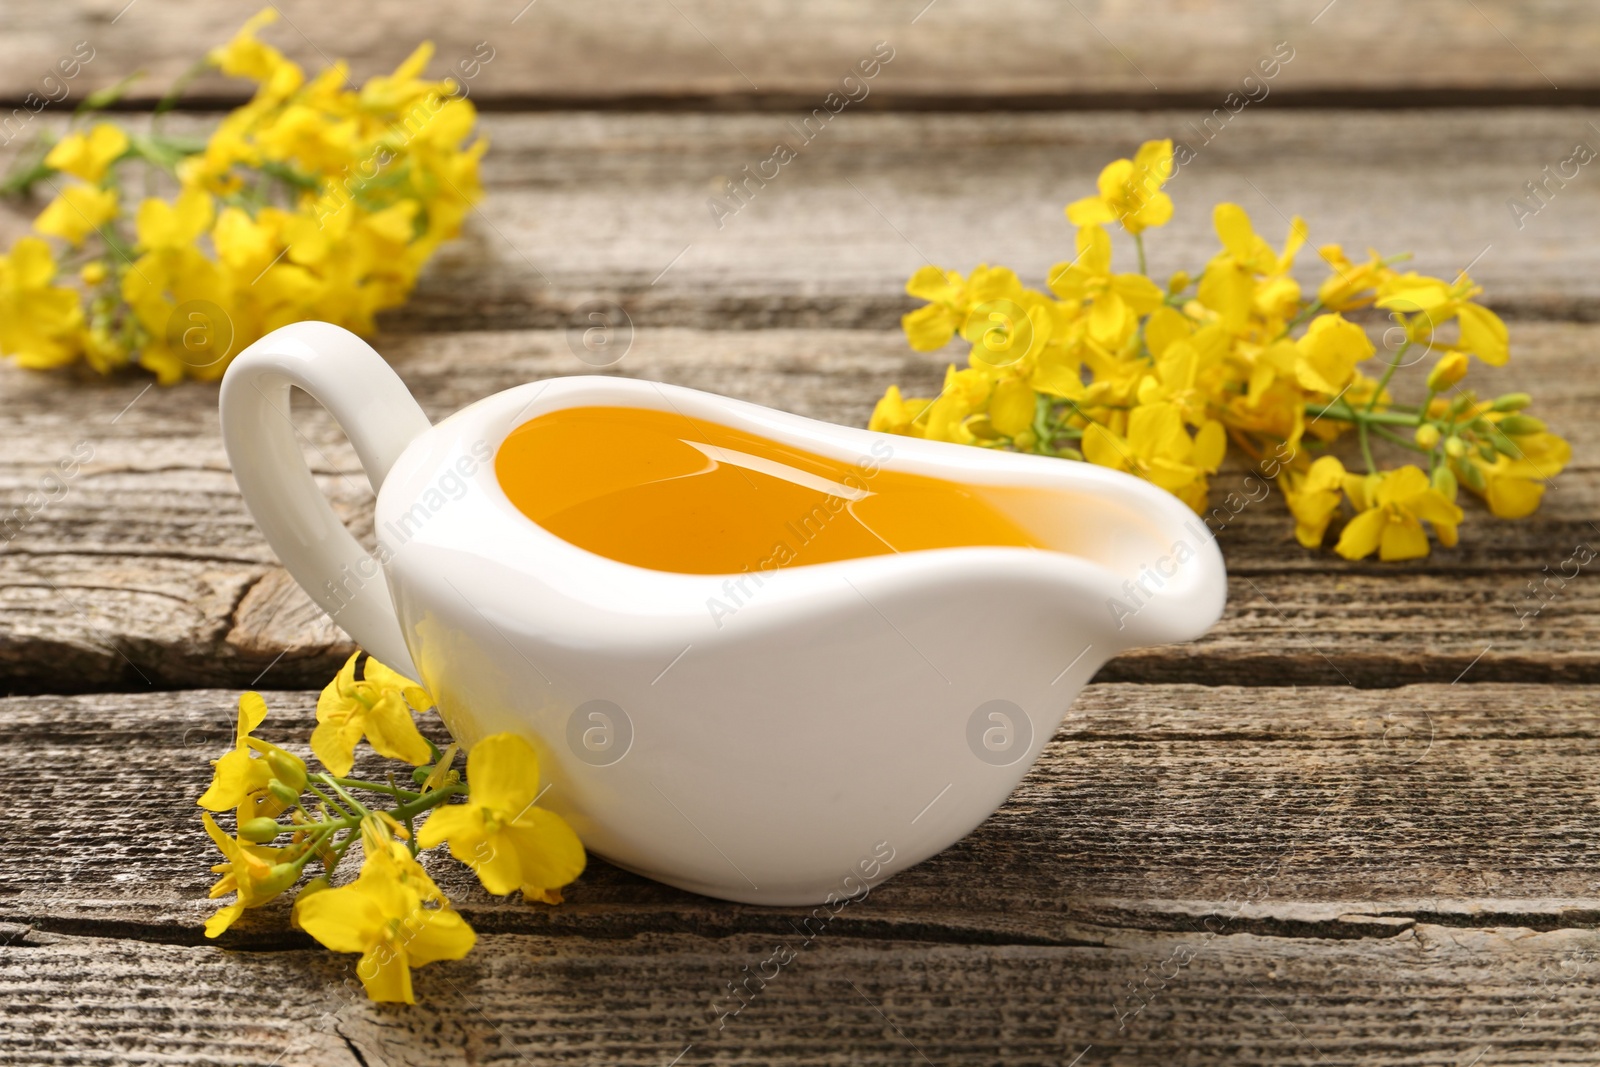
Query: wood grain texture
pixel 587 206
pixel 1190 874
pixel 148 571
pixel 730 54
pixel 1424 994
pixel 1280 811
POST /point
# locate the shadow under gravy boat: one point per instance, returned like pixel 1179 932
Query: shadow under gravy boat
pixel 847 720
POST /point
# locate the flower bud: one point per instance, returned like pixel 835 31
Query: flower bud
pixel 1427 435
pixel 1444 480
pixel 259 831
pixel 1455 447
pixel 1472 474
pixel 1488 451
pixel 420 774
pixel 281 877
pixel 93 273
pixel 287 768
pixel 1178 283
pixel 396 827
pixel 1447 372
pixel 283 794
pixel 1521 424
pixel 1512 402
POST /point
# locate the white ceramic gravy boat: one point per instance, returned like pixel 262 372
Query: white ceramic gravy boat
pixel 846 720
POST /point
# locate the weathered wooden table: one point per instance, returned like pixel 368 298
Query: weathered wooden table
pixel 1355 824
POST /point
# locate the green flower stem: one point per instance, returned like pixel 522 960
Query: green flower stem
pixel 1345 413
pixel 1138 243
pixel 427 801
pixel 1366 448
pixel 1391 436
pixel 23 178
pixel 1309 310
pixel 1394 365
pixel 163 152
pixel 333 805
pixel 311 844
pixel 405 813
pixel 360 808
pixel 377 787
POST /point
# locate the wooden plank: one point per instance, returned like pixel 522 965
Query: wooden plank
pixel 1425 994
pixel 148 571
pixel 618 207
pixel 1205 874
pixel 710 52
pixel 1275 811
pixel 615 207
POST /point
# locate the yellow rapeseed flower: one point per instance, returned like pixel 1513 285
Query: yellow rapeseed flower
pixel 240 779
pixel 76 213
pixel 1350 285
pixel 1157 447
pixel 897 414
pixel 950 298
pixel 246 57
pixel 378 705
pixel 1130 191
pixel 1391 515
pixel 39 321
pixel 88 155
pixel 175 226
pixel 257 873
pixel 1328 353
pixel 1247 275
pixel 1432 302
pixel 394 916
pixel 1116 301
pixel 509 842
pixel 1314 499
pixel 1514 484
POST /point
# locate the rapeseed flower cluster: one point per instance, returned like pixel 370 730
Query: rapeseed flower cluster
pixel 1157 379
pixel 391 912
pixel 317 199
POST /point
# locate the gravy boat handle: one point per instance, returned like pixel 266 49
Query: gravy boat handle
pixel 376 411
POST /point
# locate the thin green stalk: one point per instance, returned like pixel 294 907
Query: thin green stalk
pixel 377 787
pixel 333 805
pixel 1366 448
pixel 1383 383
pixel 360 808
pixel 1138 243
pixel 313 843
pixel 428 800
pixel 1309 310
pixel 1344 413
pixel 1391 436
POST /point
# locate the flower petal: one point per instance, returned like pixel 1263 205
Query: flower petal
pixel 437 934
pixel 1403 540
pixel 385 975
pixel 549 851
pixel 1361 535
pixel 345 919
pixel 452 822
pixel 503 773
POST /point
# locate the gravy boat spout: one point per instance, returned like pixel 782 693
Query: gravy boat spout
pixel 779 736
